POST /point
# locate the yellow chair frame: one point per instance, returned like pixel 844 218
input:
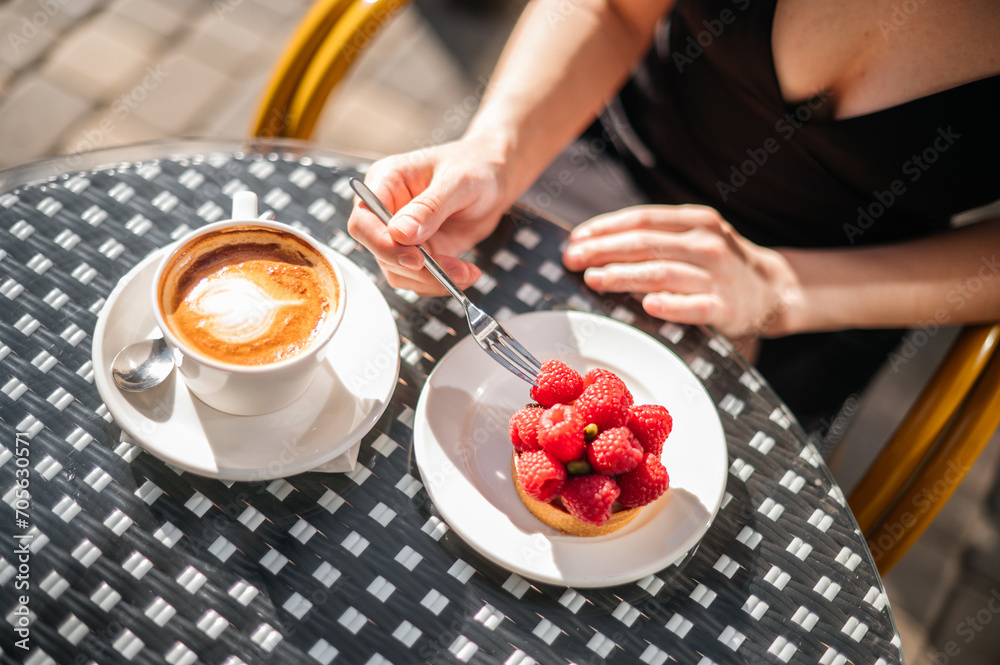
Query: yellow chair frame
pixel 932 450
pixel 328 39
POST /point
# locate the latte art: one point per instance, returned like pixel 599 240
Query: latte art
pixel 248 295
pixel 235 310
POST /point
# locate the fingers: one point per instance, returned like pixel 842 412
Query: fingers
pixel 649 276
pixel 692 266
pixel 464 275
pixel 697 309
pixel 422 195
pixel 635 245
pixel 420 218
pixel 672 291
pixel 652 217
pixel 368 229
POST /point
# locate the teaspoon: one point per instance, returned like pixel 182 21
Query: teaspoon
pixel 142 365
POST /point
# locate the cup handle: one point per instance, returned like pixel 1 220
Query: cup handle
pixel 244 205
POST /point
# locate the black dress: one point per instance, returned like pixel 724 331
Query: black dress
pixel 703 120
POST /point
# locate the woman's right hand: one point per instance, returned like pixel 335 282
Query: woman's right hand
pixel 446 198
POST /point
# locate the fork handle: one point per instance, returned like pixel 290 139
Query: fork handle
pixel 436 270
pixel 377 207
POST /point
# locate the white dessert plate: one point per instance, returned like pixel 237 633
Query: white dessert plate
pixel 349 394
pixel 463 450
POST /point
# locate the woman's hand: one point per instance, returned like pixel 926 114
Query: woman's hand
pixel 446 198
pixel 690 264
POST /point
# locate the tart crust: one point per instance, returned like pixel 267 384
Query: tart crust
pixel 557 517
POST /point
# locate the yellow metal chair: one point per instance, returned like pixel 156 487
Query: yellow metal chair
pixel 932 450
pixel 321 50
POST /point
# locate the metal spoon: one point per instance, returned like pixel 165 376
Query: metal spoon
pixel 142 365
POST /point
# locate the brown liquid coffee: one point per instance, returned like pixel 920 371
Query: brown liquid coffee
pixel 248 295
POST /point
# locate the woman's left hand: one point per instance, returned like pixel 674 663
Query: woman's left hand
pixel 691 266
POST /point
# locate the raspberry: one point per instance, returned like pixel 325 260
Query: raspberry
pixel 651 424
pixel 603 404
pixel 524 429
pixel 614 451
pixel 557 384
pixel 542 476
pixel 644 483
pixel 560 432
pixel 598 375
pixel 589 498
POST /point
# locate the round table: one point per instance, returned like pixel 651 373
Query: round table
pixel 118 557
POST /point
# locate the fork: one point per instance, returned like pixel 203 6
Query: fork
pixel 488 334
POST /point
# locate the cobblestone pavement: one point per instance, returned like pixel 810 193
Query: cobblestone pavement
pixel 82 74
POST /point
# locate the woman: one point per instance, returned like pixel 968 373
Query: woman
pixel 825 145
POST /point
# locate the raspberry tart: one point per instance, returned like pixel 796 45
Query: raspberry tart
pixel 586 459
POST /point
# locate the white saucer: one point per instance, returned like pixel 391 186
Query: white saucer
pixel 319 431
pixel 463 450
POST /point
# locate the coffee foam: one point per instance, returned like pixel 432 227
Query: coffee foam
pixel 234 308
pixel 248 295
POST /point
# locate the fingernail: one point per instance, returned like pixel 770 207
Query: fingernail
pixel 594 277
pixel 579 234
pixel 574 254
pixel 406 226
pixel 458 274
pixel 409 262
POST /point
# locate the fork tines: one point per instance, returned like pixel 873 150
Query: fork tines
pixel 511 354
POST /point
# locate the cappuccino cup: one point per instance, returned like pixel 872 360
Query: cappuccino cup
pixel 249 308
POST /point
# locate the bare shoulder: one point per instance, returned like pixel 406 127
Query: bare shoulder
pixel 875 54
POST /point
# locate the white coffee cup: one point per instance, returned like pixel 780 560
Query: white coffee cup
pixel 250 389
